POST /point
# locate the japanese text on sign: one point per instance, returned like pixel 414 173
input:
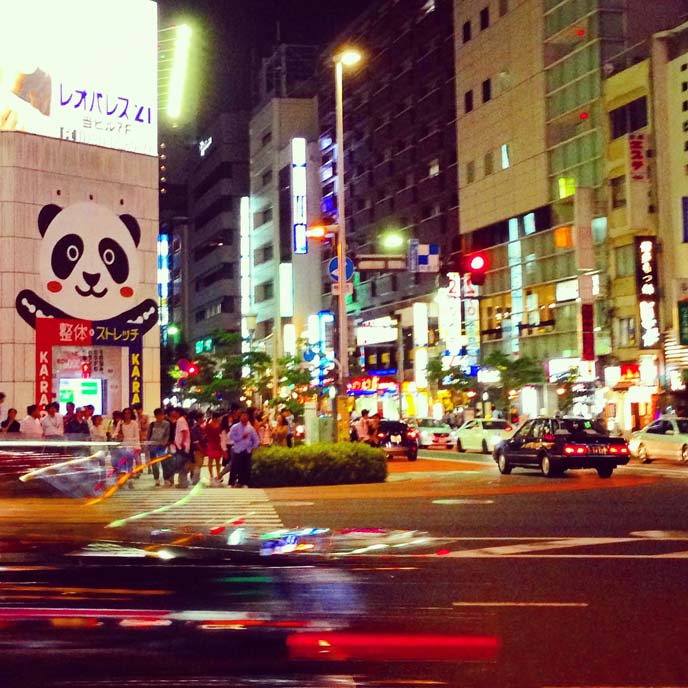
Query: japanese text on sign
pixel 648 284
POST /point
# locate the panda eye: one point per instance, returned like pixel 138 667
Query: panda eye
pixel 115 260
pixel 66 254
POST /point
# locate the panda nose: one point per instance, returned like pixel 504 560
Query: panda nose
pixel 91 278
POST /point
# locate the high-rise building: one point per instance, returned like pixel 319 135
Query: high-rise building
pixel 400 178
pixel 531 129
pixel 218 180
pixel 284 266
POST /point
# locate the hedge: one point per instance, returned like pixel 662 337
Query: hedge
pixel 318 464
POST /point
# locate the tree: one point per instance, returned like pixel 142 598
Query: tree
pixel 514 374
pixel 452 378
pixel 294 375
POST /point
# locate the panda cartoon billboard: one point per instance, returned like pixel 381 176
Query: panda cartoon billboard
pixel 90 279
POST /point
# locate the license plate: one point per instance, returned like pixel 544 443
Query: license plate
pixel 395 438
pixel 598 450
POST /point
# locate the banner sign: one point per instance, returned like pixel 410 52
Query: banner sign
pixel 647 280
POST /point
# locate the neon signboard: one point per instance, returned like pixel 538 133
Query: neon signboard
pixel 299 213
pixel 647 280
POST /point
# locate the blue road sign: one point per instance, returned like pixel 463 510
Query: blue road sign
pixel 333 269
pixel 413 255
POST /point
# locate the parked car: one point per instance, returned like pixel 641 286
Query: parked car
pixel 557 444
pixel 434 433
pixel 397 438
pixel 482 434
pixel 665 438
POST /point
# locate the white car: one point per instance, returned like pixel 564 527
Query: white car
pixel 482 434
pixel 664 438
pixel 434 433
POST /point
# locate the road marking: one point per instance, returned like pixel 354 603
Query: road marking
pixel 520 604
pixel 462 501
pixel 520 549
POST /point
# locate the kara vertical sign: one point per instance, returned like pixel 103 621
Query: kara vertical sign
pixel 647 280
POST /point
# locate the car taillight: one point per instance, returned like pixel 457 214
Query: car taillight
pixel 380 435
pixel 617 449
pixel 508 428
pixel 412 434
pixel 575 449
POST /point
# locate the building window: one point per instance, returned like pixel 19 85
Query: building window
pixel 629 118
pixel 489 163
pixel 503 7
pixel 624 257
pixel 484 18
pixel 618 192
pixel 266 178
pixel 506 160
pixel 470 172
pixel 487 90
pixel 264 291
pixel 626 331
pixel 466 31
pixel 567 187
pixel 267 138
pixel 468 101
pixel 434 168
pixel 263 254
pixel 266 215
pixel 563 237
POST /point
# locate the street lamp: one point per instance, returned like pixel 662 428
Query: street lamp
pixel 348 57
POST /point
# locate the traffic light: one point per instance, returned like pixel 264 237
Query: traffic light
pixel 476 266
pixel 85 371
pixel 192 369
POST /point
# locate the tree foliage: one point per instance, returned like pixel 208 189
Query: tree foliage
pixel 515 373
pixel 453 378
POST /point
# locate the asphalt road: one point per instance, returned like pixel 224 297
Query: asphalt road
pixel 582 580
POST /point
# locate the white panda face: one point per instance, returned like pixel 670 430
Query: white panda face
pixel 89 267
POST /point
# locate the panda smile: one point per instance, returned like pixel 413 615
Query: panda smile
pixel 90 292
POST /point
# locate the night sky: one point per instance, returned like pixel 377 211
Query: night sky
pixel 232 35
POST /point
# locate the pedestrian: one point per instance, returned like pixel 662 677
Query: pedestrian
pixel 127 433
pixel 77 427
pixel 89 411
pixel 279 435
pixel 158 440
pixel 142 420
pixel 262 426
pixel 10 424
pixel 181 447
pixel 214 452
pixel 112 424
pixel 244 439
pixel 373 427
pixel 70 413
pixel 53 423
pixel 198 443
pixel 290 426
pixel 31 427
pixel 97 429
pixel 3 414
pixel 362 427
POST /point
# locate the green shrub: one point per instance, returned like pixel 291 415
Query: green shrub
pixel 318 464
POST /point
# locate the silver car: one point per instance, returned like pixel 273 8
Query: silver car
pixel 664 438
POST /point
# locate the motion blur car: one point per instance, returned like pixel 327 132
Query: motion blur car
pixel 556 444
pixel 483 435
pixel 665 438
pixel 397 439
pixel 434 433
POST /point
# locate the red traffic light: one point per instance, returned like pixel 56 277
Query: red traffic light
pixel 477 263
pixel 192 369
pixel 85 370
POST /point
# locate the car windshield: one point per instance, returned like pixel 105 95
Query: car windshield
pixel 431 423
pixel 495 425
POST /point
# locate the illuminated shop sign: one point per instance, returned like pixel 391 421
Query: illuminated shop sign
pixel 204 145
pixel 362 386
pixel 647 281
pixel 378 331
pixel 69 71
pixel 636 144
pixel 298 199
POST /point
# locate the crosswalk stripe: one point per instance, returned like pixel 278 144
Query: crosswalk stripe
pixel 205 507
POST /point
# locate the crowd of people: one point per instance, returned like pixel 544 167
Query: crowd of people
pixel 176 444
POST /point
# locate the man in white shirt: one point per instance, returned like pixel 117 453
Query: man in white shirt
pixel 181 446
pixel 31 427
pixel 362 427
pixel 53 423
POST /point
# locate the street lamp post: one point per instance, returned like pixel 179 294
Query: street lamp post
pixel 345 57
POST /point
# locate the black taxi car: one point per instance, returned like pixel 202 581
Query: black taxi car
pixel 556 444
